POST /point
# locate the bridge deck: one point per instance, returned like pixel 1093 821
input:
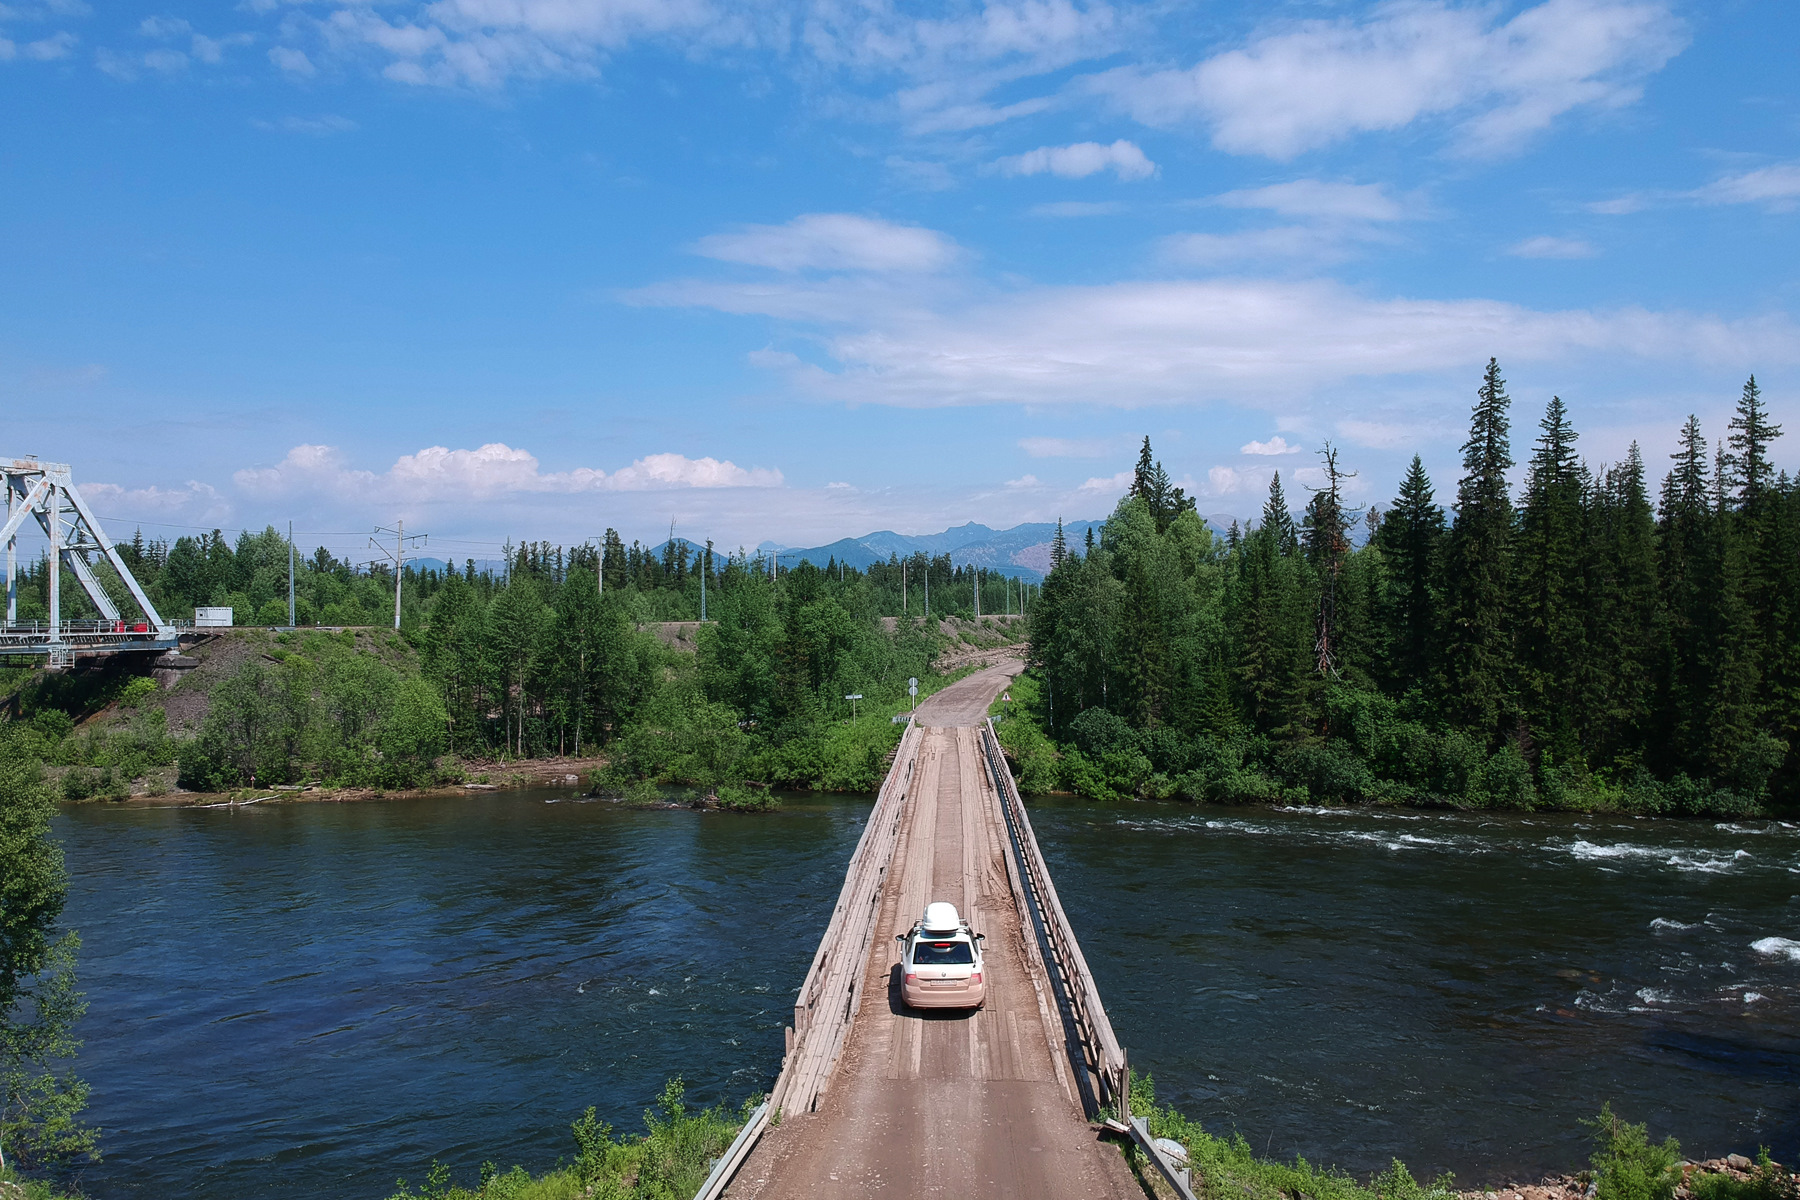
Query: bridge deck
pixel 984 1103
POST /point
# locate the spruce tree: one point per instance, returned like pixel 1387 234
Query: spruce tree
pixel 1411 537
pixel 1624 619
pixel 1478 652
pixel 1278 520
pixel 1550 599
pixel 1746 469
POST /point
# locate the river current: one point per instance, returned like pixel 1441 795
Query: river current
pixel 307 1000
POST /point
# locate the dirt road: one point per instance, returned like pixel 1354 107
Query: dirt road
pixel 965 702
pixel 946 1103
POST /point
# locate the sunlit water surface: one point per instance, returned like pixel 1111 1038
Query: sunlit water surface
pixel 307 1000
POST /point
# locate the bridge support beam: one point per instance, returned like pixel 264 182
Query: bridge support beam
pixel 45 491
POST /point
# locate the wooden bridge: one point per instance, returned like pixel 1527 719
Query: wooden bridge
pixel 1015 1099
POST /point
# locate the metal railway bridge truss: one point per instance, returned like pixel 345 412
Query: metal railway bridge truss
pixel 45 492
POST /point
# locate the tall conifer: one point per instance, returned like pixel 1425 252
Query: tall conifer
pixel 1478 652
pixel 1411 536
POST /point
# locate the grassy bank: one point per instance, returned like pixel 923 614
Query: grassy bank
pixel 14 1186
pixel 1626 1165
pixel 668 1161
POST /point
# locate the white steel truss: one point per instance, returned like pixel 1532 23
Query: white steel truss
pixel 44 491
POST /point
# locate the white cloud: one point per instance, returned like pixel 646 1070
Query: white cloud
pixel 1186 341
pixel 496 469
pixel 1055 447
pixel 1080 160
pixel 1311 243
pixel 199 502
pixel 1319 199
pixel 1545 246
pixel 320 126
pixel 1312 83
pixel 292 61
pixel 57 45
pixel 1024 483
pixel 1275 445
pixel 832 242
pixel 1076 208
pixel 1776 187
pixel 1110 484
pixel 1619 206
pixel 163 27
pixel 1234 481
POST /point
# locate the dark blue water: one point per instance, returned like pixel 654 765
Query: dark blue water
pixel 310 999
pixel 1453 990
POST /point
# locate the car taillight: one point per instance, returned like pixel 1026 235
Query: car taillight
pixel 975 977
pixel 911 978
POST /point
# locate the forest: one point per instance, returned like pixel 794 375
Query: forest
pixel 1580 645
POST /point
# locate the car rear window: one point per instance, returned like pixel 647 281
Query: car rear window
pixel 943 954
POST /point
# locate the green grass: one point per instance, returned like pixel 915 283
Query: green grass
pixel 1228 1167
pixel 30 1189
pixel 667 1162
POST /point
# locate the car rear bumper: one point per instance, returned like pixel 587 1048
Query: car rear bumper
pixel 917 995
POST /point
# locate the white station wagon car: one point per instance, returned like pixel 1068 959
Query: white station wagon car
pixel 940 961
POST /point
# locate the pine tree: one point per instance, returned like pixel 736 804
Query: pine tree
pixel 1278 520
pixel 1684 547
pixel 1625 607
pixel 1478 652
pixel 1745 469
pixel 1550 601
pixel 1411 537
pixel 1059 546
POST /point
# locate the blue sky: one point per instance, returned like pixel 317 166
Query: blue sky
pixel 807 268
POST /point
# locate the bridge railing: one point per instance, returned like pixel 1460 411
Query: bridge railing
pixel 1105 1058
pixel 828 999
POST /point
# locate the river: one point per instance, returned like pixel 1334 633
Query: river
pixel 306 1000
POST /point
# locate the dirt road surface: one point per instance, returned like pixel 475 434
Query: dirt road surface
pixel 947 1103
pixel 965 702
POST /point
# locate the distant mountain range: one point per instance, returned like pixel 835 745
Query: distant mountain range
pixel 1022 552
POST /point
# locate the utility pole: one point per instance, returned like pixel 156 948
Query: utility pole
pixel 902 587
pixel 398 557
pixel 600 571
pixel 977 571
pixel 928 589
pixel 290 574
pixel 705 567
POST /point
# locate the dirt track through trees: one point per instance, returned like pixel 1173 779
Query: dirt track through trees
pixel 948 1103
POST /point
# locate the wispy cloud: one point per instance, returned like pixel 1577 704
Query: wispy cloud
pixel 1275 445
pixel 1080 160
pixel 1319 199
pixel 1076 208
pixel 1545 246
pixel 1184 341
pixel 832 242
pixel 495 469
pixel 1776 187
pixel 320 126
pixel 1055 447
pixel 1309 84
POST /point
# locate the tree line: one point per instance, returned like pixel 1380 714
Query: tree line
pixel 250 576
pixel 1580 644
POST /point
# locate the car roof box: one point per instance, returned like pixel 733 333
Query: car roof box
pixel 941 918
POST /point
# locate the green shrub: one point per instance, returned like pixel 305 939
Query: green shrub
pixel 1767 1182
pixel 1627 1165
pixel 134 693
pixel 1504 781
pixel 736 797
